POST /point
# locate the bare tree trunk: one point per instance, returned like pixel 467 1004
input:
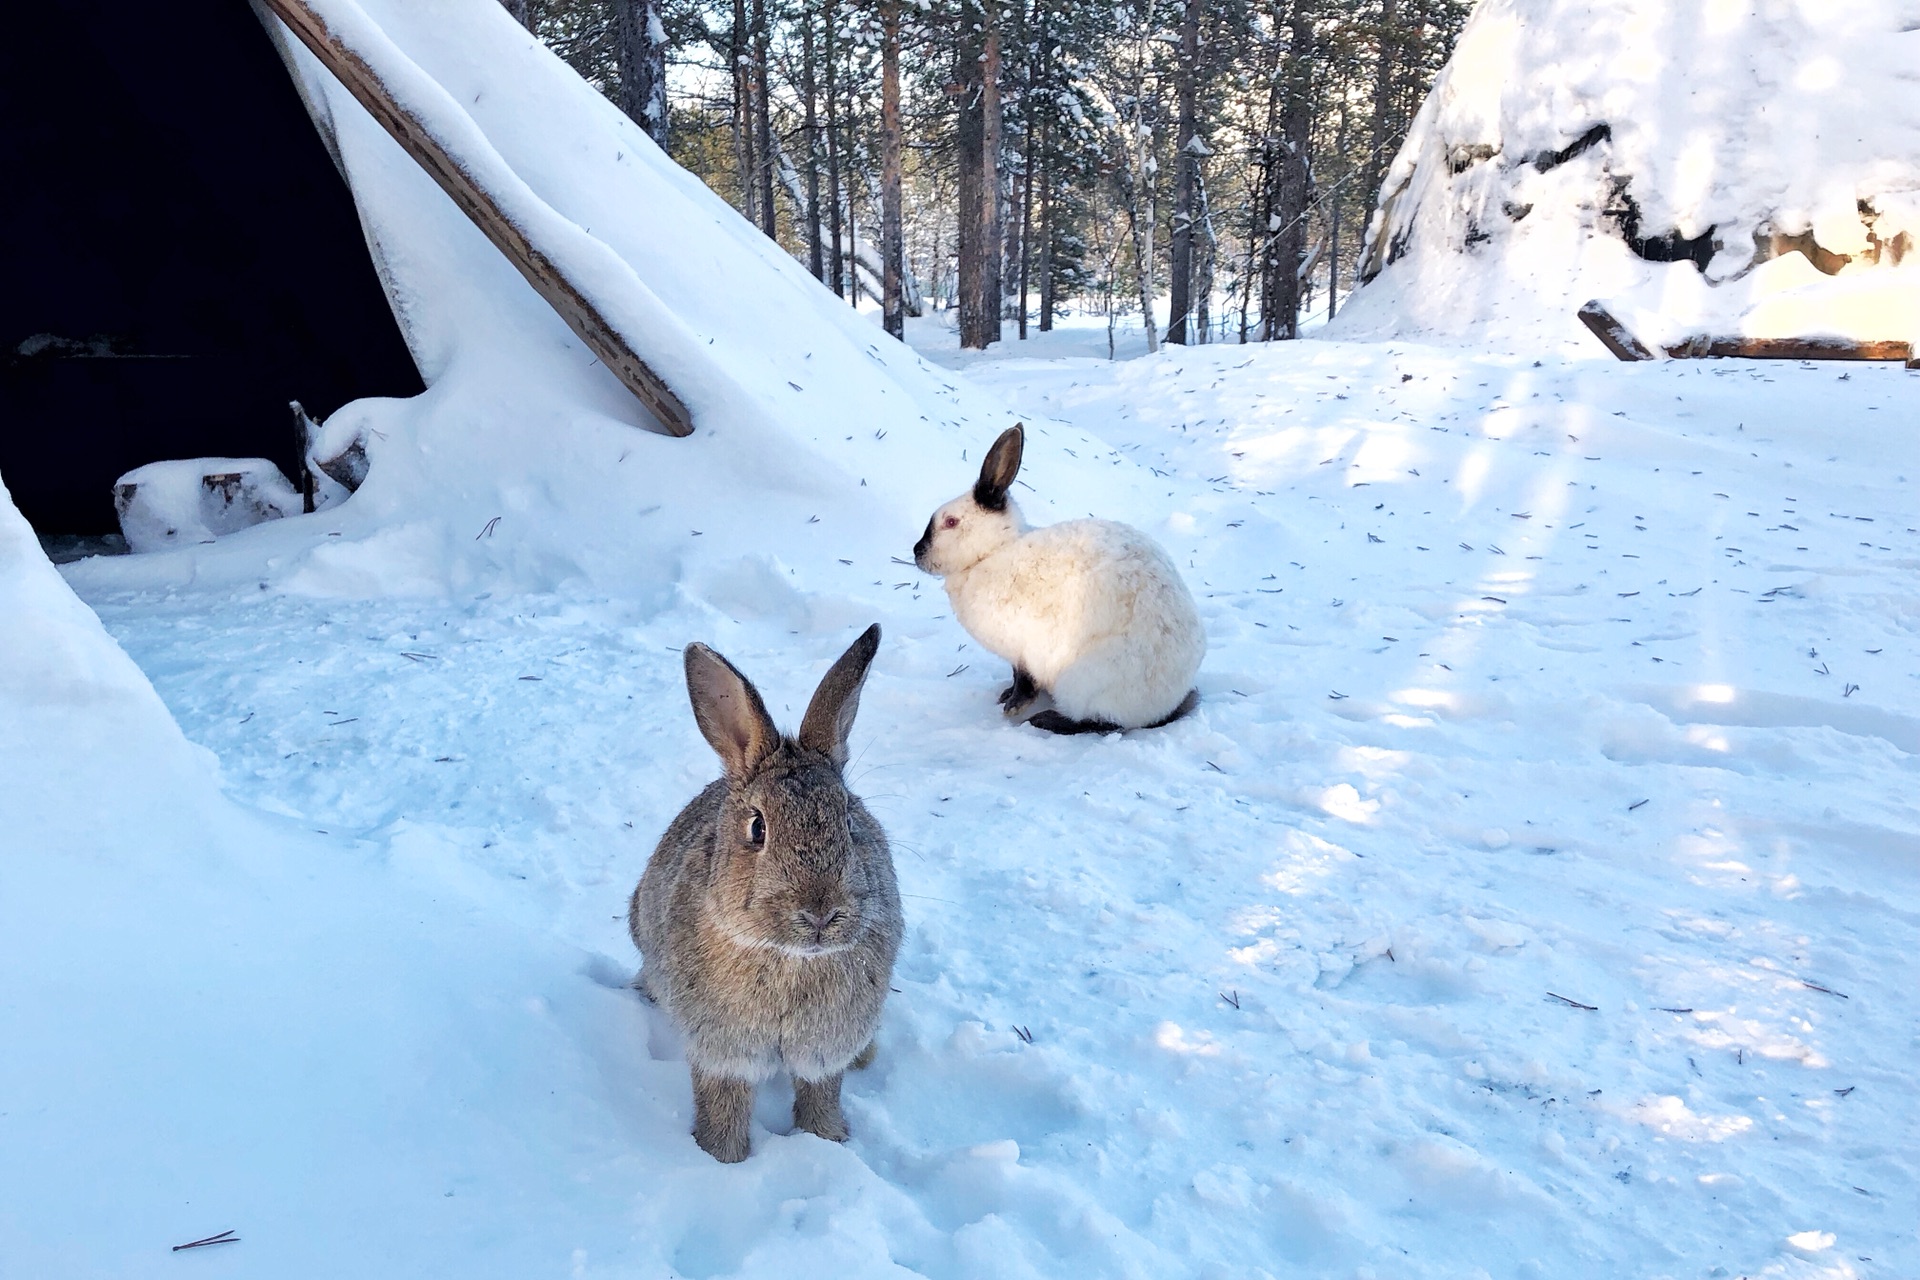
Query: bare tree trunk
pixel 1260 220
pixel 1046 219
pixel 994 146
pixel 737 46
pixel 979 194
pixel 1207 247
pixel 1295 186
pixel 1385 70
pixel 810 127
pixel 892 300
pixel 763 119
pixel 1036 58
pixel 1140 207
pixel 641 43
pixel 853 249
pixel 1186 163
pixel 838 269
pixel 1333 230
pixel 1290 109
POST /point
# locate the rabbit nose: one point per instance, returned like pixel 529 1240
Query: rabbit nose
pixel 818 922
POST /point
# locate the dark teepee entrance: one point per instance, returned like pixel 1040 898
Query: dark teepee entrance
pixel 178 256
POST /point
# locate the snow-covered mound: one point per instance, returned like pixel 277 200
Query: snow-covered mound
pixel 217 1019
pixel 1656 154
pixel 195 500
pixel 523 465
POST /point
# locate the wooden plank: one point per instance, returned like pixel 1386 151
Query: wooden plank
pixel 1790 349
pixel 1614 335
pixel 547 279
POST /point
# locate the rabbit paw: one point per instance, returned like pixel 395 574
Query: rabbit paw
pixel 722 1117
pixel 816 1108
pixel 1022 690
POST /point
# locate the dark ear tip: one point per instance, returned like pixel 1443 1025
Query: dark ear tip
pixel 867 645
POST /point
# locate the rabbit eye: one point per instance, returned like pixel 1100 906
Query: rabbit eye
pixel 757 830
pixel 951 522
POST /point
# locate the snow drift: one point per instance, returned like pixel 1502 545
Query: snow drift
pixel 1752 168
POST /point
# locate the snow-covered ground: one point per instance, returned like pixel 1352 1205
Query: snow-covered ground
pixel 1534 893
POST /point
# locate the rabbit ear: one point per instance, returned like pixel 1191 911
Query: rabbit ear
pixel 1001 466
pixel 830 715
pixel 729 711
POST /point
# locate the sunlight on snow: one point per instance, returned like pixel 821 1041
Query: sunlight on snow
pixel 1438 699
pixel 1472 477
pixel 1342 801
pixel 1722 16
pixel 1177 1039
pixel 1309 859
pixel 1707 736
pixel 1373 762
pixel 1384 456
pixel 1672 1117
pixel 1821 74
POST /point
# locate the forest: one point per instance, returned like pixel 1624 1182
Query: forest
pixel 1209 162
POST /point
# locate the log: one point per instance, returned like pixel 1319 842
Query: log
pixel 338 449
pixel 304 428
pixel 1706 346
pixel 419 141
pixel 1612 334
pixel 1619 340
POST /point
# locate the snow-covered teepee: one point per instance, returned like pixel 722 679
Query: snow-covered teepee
pixel 1744 166
pixel 797 405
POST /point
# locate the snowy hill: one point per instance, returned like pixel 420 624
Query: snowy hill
pixel 1654 154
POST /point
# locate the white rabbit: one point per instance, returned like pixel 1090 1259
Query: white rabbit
pixel 1101 631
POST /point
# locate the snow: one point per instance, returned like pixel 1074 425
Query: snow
pixel 1731 120
pixel 1284 965
pixel 1534 891
pixel 195 500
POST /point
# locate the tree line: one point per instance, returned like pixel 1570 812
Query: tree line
pixel 1015 159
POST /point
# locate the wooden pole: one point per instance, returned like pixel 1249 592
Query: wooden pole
pixel 1791 349
pixel 1613 335
pixel 1619 340
pixel 546 277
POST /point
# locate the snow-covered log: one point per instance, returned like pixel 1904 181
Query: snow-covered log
pixel 195 500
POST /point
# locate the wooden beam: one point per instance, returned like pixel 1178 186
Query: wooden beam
pixel 547 278
pixel 1790 349
pixel 1619 340
pixel 1614 335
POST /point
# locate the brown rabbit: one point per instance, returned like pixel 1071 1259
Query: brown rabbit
pixel 768 918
